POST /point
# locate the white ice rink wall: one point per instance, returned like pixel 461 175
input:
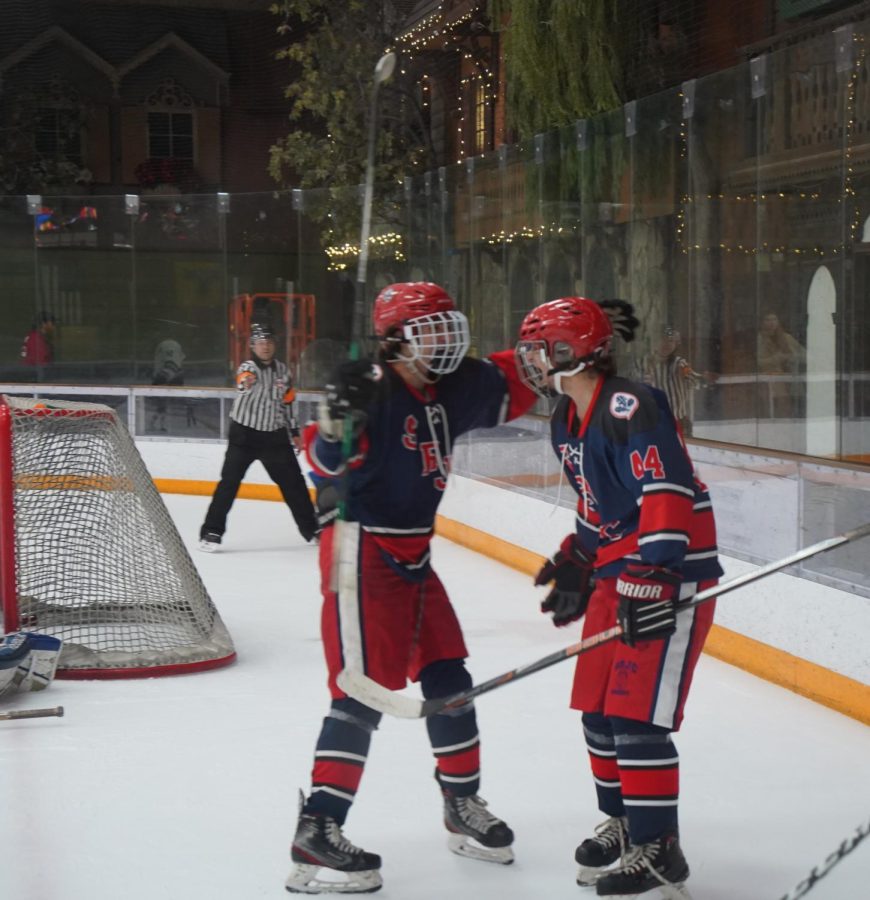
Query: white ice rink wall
pixel 818 623
pixel 814 622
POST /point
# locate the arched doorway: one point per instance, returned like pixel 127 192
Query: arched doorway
pixel 821 421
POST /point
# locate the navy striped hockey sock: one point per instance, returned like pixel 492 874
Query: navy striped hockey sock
pixel 453 735
pixel 649 772
pixel 340 757
pixel 602 758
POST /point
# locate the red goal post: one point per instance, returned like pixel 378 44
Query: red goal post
pixel 89 552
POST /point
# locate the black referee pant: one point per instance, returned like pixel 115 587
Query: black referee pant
pixel 275 452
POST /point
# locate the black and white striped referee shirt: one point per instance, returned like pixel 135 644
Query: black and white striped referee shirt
pixel 265 405
pixel 676 378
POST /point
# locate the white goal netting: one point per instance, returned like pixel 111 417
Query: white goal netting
pixel 88 551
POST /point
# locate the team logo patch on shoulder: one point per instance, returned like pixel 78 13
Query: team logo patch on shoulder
pixel 623 406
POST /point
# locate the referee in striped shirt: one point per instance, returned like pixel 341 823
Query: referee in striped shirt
pixel 664 368
pixel 262 426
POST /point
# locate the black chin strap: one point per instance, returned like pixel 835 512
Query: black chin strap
pixel 393 342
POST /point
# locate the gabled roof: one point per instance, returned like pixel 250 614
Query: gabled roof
pixel 421 11
pixel 435 14
pixel 172 40
pixel 58 35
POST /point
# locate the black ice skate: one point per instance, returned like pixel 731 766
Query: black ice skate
pixel 320 845
pixel 659 865
pixel 474 832
pixel 595 854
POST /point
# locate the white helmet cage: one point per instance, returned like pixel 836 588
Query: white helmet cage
pixel 438 341
pixel 536 364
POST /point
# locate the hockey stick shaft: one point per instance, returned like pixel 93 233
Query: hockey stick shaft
pixel 368 691
pixel 342 561
pixel 383 70
pixel 31 713
pixel 832 859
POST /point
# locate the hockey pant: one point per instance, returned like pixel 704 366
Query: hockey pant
pixel 632 699
pixel 343 745
pixel 275 452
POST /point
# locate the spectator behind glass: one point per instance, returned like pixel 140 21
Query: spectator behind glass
pixel 780 354
pixel 168 369
pixel 168 362
pixel 38 346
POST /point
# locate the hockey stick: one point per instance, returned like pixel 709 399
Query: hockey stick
pixel 342 560
pixel 366 690
pixel 383 72
pixel 31 713
pixel 817 873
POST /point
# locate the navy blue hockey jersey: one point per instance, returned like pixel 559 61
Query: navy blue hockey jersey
pixel 399 468
pixel 639 499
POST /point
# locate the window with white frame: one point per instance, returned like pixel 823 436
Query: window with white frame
pixel 170 122
pixel 57 133
pixel 57 122
pixel 170 135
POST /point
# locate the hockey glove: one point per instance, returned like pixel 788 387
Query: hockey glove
pixel 570 570
pixel 349 392
pixel 647 608
pixel 352 386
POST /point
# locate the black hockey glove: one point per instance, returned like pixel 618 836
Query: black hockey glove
pixel 352 386
pixel 647 608
pixel 570 570
pixel 349 392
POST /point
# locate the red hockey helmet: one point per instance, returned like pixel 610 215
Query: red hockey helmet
pixel 422 317
pixel 399 303
pixel 561 338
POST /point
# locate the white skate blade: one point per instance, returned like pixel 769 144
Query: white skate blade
pixel 588 875
pixel 208 546
pixel 463 845
pixel 304 880
pixel 677 891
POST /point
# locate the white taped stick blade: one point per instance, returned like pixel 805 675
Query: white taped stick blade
pixel 364 689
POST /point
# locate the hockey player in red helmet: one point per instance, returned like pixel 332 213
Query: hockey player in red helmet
pixel 645 541
pixel 390 617
pixel 420 328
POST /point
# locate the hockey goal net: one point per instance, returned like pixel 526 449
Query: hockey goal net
pixel 89 553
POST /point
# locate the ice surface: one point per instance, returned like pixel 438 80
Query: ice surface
pixel 185 788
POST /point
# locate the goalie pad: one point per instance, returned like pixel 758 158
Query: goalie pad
pixel 28 661
pixel 44 656
pixel 14 661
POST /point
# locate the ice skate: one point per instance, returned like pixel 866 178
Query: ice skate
pixel 209 541
pixel 658 866
pixel 320 848
pixel 595 854
pixel 474 832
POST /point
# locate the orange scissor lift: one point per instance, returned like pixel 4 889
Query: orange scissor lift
pixel 291 317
